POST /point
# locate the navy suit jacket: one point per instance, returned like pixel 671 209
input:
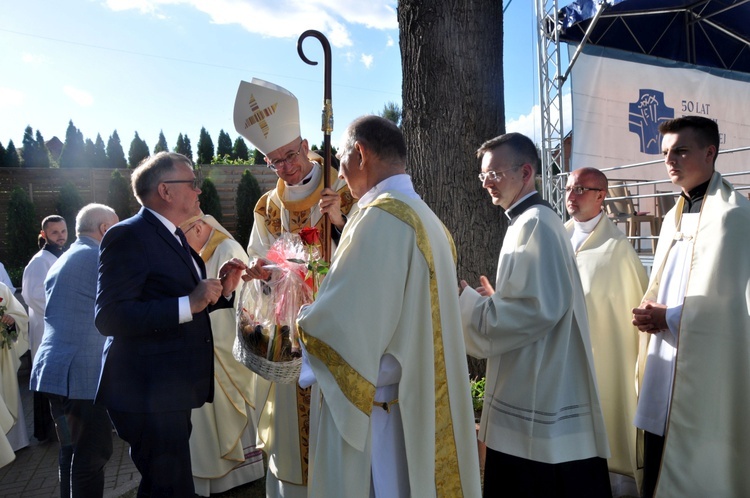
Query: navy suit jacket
pixel 151 362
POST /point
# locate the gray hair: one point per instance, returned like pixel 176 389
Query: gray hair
pixel 91 216
pixel 147 176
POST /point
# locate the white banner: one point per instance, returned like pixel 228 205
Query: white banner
pixel 618 105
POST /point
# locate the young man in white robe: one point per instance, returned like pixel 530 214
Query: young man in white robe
pixel 383 340
pixel 54 235
pixel 541 420
pixel 223 444
pixel 696 386
pixel 298 201
pixel 613 280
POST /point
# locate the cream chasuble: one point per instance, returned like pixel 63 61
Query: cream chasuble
pixel 534 333
pixel 223 443
pixel 11 411
pixel 613 280
pixel 283 410
pixel 707 447
pixel 392 290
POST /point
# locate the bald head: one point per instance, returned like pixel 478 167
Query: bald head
pixel 93 220
pixel 585 193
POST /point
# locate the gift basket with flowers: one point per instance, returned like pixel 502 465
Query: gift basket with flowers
pixel 267 340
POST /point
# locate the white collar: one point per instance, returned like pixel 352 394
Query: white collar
pixel 396 183
pixel 587 226
pixel 170 226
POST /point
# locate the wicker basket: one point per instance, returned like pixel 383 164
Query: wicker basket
pixel 284 372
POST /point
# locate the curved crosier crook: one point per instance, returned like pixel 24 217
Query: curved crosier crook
pixel 327 125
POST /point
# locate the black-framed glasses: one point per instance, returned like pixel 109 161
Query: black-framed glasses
pixel 195 182
pixel 286 160
pixel 580 190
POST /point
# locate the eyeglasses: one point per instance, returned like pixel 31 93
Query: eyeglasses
pixel 191 227
pixel 195 182
pixel 580 190
pixel 286 160
pixel 493 175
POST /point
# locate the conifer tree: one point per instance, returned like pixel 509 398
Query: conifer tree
pixel 11 156
pixel 224 147
pixel 22 228
pixel 161 145
pixel 28 149
pixel 100 153
pixel 42 153
pixel 72 152
pixel 118 195
pixel 258 157
pixel 180 146
pixel 115 154
pixel 89 154
pixel 205 148
pixel 69 202
pixel 2 155
pixel 392 112
pixel 34 151
pixel 240 150
pixel 248 193
pixel 138 151
pixel 188 148
pixel 209 199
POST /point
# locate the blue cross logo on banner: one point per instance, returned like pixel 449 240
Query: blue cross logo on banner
pixel 645 115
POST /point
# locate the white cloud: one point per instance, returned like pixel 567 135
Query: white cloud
pixel 283 18
pixel 10 97
pixel 390 42
pixel 366 60
pixel 34 59
pixel 144 6
pixel 80 97
pixel 531 124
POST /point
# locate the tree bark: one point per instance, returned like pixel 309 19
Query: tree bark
pixel 452 65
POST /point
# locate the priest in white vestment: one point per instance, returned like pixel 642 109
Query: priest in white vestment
pixel 383 341
pixel 224 450
pixel 12 420
pixel 541 419
pixel 696 386
pixel 614 281
pixel 299 200
pixel 54 234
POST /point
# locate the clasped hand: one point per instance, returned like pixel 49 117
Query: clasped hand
pixel 210 290
pixel 650 317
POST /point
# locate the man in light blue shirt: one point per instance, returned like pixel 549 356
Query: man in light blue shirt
pixel 69 359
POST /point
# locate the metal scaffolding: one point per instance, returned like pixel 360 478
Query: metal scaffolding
pixel 550 102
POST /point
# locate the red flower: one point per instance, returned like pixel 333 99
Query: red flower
pixel 310 236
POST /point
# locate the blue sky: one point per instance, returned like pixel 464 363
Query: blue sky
pixel 175 65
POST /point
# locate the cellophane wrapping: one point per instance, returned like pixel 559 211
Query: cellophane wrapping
pixel 268 310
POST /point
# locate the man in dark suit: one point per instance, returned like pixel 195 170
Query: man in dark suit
pixel 152 303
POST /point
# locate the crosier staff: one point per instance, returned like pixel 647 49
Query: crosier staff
pixel 327 125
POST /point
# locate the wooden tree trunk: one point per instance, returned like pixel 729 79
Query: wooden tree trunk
pixel 452 64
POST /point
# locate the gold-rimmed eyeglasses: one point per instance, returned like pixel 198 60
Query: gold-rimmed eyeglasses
pixel 285 161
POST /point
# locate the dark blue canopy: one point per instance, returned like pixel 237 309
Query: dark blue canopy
pixel 711 33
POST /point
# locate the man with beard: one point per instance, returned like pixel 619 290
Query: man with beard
pixel 53 236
